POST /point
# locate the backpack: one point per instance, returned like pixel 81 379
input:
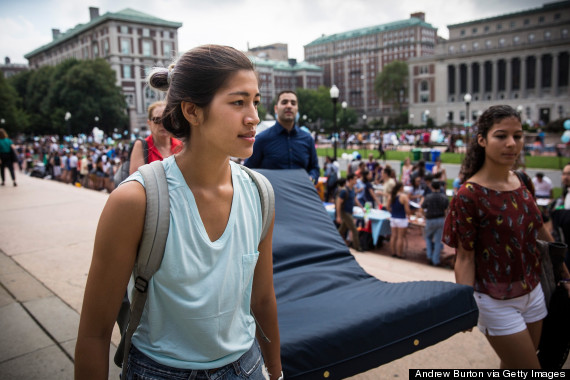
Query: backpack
pixel 153 242
pixel 123 171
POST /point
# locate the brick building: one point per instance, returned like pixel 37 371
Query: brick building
pixel 131 41
pixel 352 59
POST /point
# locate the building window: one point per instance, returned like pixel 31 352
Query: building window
pixel 125 46
pixel 531 37
pixel 124 29
pixel 146 32
pixel 488 44
pixel 475 45
pixel 557 16
pixel 167 47
pixel 147 48
pixel 516 40
pixel 130 98
pixel 486 29
pixel 499 26
pixel 106 47
pixel 95 50
pixel 541 19
pixel 564 33
pixel 501 41
pixel 547 35
pixel 474 31
pixel 462 32
pixel 526 21
pixel 513 24
pixel 452 49
pixel 127 74
pixel 463 47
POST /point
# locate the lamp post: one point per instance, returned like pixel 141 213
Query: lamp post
pixel 467 100
pixel 334 92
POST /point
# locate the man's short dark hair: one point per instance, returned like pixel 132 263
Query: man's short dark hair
pixel 539 175
pixel 435 185
pixel 286 92
pixel 349 176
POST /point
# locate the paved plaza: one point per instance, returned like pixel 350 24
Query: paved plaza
pixel 46 237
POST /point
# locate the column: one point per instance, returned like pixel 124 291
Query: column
pixel 509 77
pixel 495 79
pixel 523 77
pixel 469 74
pixel 538 77
pixel 482 80
pixel 554 79
pixel 457 83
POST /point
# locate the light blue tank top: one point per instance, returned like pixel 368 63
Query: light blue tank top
pixel 197 315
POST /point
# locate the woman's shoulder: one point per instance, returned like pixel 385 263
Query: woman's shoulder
pixel 129 195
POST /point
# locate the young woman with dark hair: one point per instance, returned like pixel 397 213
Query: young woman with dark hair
pixel 197 322
pixel 399 206
pixel 493 225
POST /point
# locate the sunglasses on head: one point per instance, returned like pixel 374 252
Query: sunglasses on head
pixel 156 120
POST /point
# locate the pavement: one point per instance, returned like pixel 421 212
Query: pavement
pixel 46 237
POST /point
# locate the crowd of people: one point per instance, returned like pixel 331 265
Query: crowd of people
pixel 492 221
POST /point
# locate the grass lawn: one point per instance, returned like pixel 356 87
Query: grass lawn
pixel 535 162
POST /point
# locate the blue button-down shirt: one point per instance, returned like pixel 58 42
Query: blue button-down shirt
pixel 276 148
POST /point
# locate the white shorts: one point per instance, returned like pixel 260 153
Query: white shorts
pixel 399 222
pixel 507 317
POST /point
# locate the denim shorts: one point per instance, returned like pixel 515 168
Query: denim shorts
pixel 248 366
pixel 507 317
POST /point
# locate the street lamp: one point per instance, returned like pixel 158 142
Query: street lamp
pixel 334 92
pixel 467 100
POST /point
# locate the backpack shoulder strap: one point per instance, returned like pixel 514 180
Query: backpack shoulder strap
pixel 266 196
pixel 526 180
pixel 145 150
pixel 153 242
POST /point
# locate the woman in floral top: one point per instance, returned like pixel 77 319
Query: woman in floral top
pixel 493 223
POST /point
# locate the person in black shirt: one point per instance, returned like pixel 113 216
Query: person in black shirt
pixel 434 207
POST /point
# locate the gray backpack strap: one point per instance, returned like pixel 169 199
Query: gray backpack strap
pixel 151 249
pixel 266 196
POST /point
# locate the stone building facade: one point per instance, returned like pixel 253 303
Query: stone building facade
pixel 520 59
pixel 277 76
pixel 131 41
pixel 352 59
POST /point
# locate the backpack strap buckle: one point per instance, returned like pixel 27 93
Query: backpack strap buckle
pixel 141 284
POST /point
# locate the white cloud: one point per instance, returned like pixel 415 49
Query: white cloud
pixel 26 24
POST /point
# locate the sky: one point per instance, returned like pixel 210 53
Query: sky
pixel 25 25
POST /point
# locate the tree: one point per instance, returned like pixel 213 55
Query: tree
pixel 87 89
pixel 37 91
pixel 391 84
pixel 8 106
pixel 317 104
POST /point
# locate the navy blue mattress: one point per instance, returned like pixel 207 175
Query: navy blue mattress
pixel 335 320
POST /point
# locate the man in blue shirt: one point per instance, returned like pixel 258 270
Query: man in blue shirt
pixel 285 145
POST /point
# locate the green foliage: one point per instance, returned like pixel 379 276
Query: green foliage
pixel 86 89
pixel 261 111
pixel 8 106
pixel 317 104
pixel 391 84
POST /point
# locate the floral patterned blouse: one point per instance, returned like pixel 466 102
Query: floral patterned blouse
pixel 502 228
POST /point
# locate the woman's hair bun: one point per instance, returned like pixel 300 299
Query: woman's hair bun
pixel 158 78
